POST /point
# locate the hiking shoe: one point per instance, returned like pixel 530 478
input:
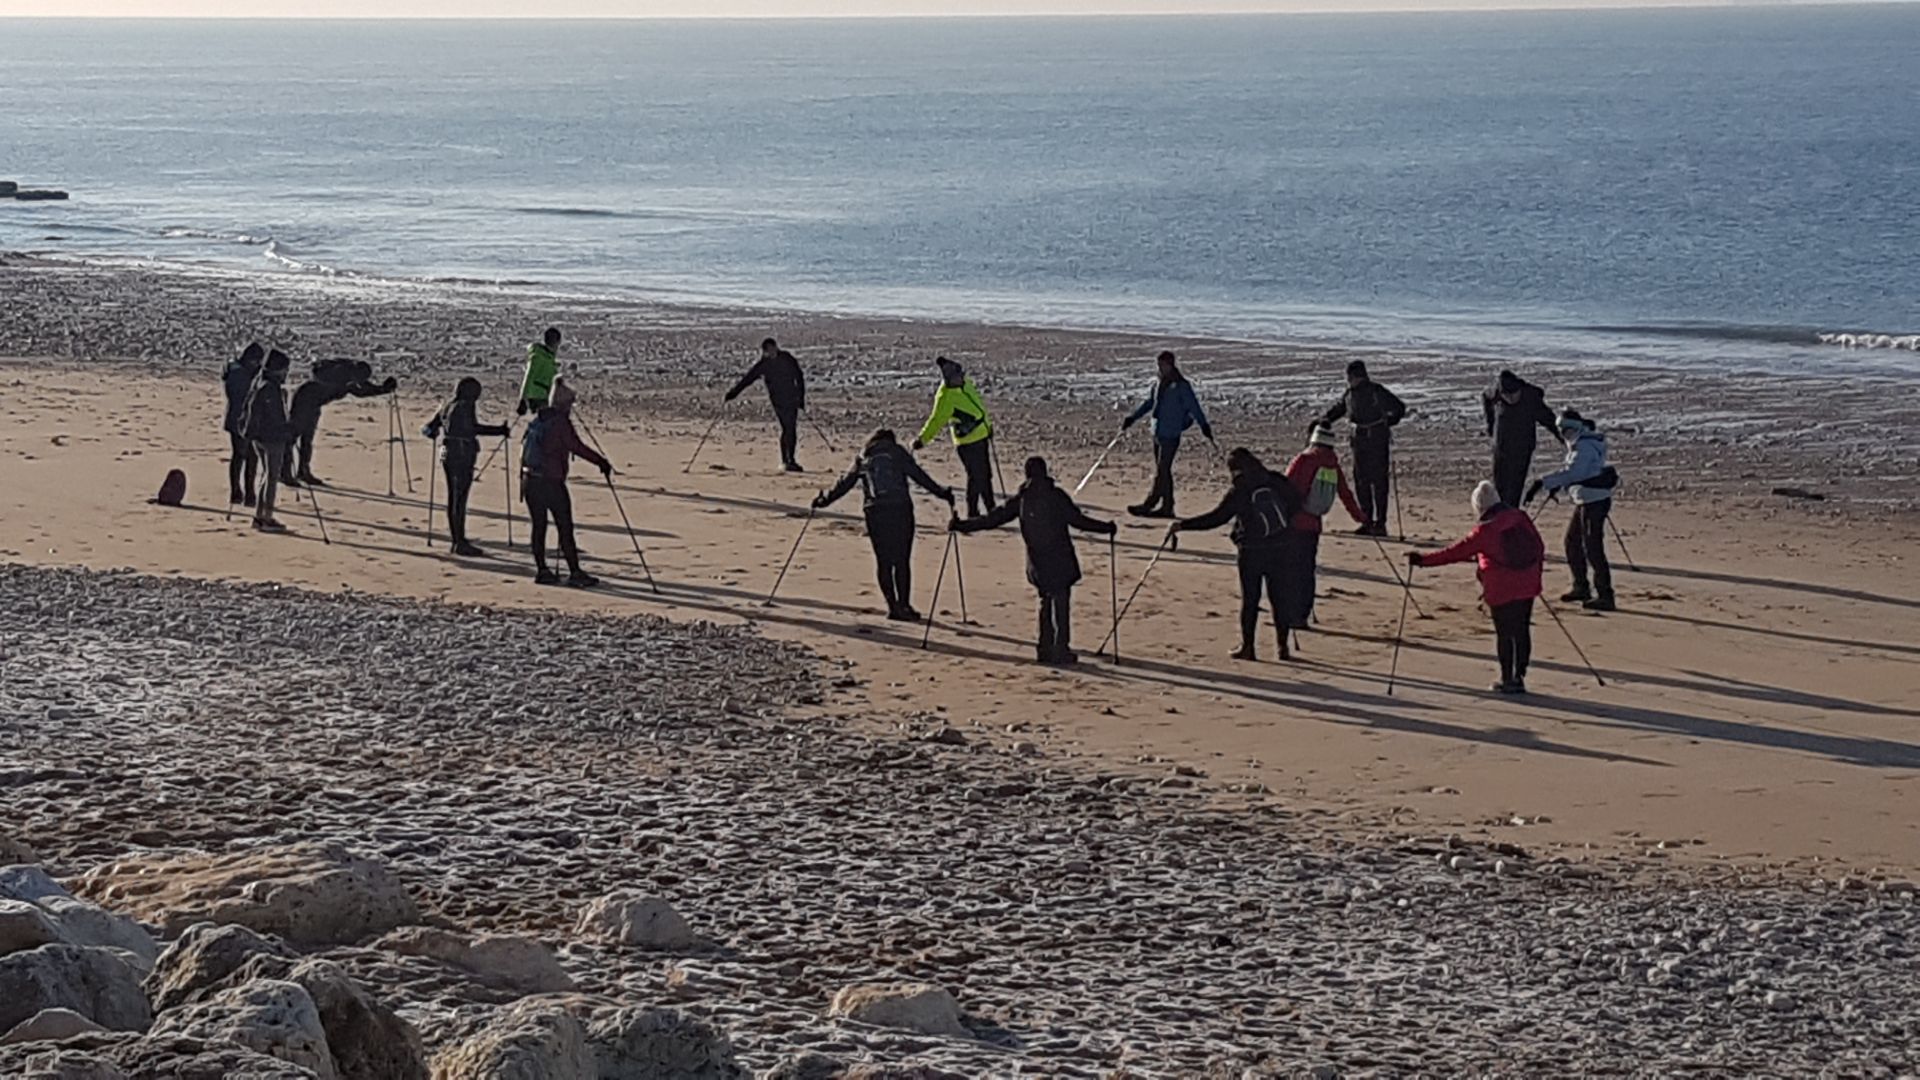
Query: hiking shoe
pixel 311 480
pixel 546 577
pixel 1603 602
pixel 1579 594
pixel 908 614
pixel 898 614
pixel 1140 510
pixel 793 466
pixel 268 525
pixel 580 579
pixel 1064 658
pixel 1162 512
pixel 468 550
pixel 1244 652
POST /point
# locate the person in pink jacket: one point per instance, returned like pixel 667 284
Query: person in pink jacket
pixel 1509 554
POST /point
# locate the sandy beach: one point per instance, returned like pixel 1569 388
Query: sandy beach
pixel 1157 867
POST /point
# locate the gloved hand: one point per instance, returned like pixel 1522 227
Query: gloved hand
pixel 606 468
pixel 522 410
pixel 1413 559
pixel 820 501
pixel 1532 490
pixel 1206 432
pixel 1112 528
pixel 918 445
pixel 731 394
pixel 1126 423
pixel 953 523
pixel 391 384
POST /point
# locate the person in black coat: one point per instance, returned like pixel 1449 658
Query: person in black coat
pixel 786 391
pixel 1514 407
pixel 237 381
pixel 332 380
pixel 458 426
pixel 1261 504
pixel 265 426
pixel 1046 514
pixel 883 470
pixel 1374 411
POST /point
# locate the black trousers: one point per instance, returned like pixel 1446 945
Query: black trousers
pixel 1510 465
pixel 890 531
pixel 243 464
pixel 1160 498
pixel 550 498
pixel 1056 624
pixel 1263 568
pixel 300 454
pixel 459 469
pixel 1300 564
pixel 977 458
pixel 1513 634
pixel 789 417
pixel 1372 465
pixel 1587 545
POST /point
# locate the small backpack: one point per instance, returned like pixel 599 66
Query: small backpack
pixel 1267 513
pixel 1325 489
pixel 886 480
pixel 173 489
pixel 1520 548
pixel 533 446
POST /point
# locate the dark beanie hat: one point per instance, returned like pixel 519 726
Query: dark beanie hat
pixel 1036 467
pixel 1358 367
pixel 1509 382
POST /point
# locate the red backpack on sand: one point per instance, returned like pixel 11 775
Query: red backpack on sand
pixel 173 489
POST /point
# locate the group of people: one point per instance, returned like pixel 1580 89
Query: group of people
pixel 1276 517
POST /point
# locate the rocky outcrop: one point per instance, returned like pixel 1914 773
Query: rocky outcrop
pixel 306 894
pixel 630 919
pixel 659 1044
pixel 122 1056
pixel 520 964
pixel 24 926
pixel 98 983
pixel 200 959
pixel 532 1039
pixel 916 1007
pixel 270 1016
pixel 369 1041
pixel 48 1025
pixel 76 921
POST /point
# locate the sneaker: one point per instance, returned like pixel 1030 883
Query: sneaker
pixel 311 480
pixel 1064 658
pixel 1164 512
pixel 908 614
pixel 1509 686
pixel 793 466
pixel 580 579
pixel 1579 594
pixel 1603 602
pixel 468 550
pixel 268 525
pixel 546 577
pixel 1244 652
pixel 1140 510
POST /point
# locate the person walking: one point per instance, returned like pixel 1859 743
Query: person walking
pixel 786 391
pixel 1589 481
pixel 237 382
pixel 1262 507
pixel 1509 553
pixel 1514 407
pixel 1175 408
pixel 458 427
pixel 1374 412
pixel 957 405
pixel 543 368
pixel 548 447
pixel 267 428
pixel 1317 479
pixel 1046 513
pixel 883 470
pixel 332 380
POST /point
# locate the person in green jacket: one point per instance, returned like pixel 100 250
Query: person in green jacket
pixel 543 366
pixel 958 405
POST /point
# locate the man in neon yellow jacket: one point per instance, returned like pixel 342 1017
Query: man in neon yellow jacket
pixel 543 366
pixel 958 405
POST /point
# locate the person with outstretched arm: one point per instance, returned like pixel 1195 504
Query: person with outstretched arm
pixel 237 381
pixel 332 380
pixel 458 427
pixel 883 471
pixel 267 428
pixel 1374 412
pixel 786 391
pixel 1509 554
pixel 1316 477
pixel 1514 407
pixel 1589 481
pixel 548 446
pixel 1175 409
pixel 957 406
pixel 1261 505
pixel 1046 513
pixel 543 368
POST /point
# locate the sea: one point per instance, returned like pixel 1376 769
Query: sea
pixel 1728 187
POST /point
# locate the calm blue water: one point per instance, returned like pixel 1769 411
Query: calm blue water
pixel 1699 185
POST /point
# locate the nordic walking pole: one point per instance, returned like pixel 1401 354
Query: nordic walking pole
pixel 431 496
pixel 1576 645
pixel 822 432
pixel 1099 461
pixel 701 446
pixel 506 476
pixel 1400 634
pixel 1393 482
pixel 1128 606
pixel 960 578
pixel 1620 538
pixel 1395 571
pixel 631 535
pixel 1113 589
pixel 933 608
pixel 390 422
pixel 993 449
pixel 400 427
pixel 316 514
pixel 811 510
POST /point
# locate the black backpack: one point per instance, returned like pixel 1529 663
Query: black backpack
pixel 886 480
pixel 1270 510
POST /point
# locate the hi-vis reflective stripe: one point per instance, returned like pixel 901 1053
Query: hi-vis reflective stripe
pixel 1327 475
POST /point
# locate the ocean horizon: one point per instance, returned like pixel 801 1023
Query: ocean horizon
pixel 1712 186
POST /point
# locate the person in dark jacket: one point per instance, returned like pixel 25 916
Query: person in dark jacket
pixel 237 381
pixel 266 427
pixel 1261 505
pixel 1514 407
pixel 1175 408
pixel 547 449
pixel 1508 555
pixel 332 380
pixel 786 391
pixel 1374 411
pixel 1046 512
pixel 458 425
pixel 882 470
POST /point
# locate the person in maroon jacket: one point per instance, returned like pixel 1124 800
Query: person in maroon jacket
pixel 549 446
pixel 1315 474
pixel 1510 553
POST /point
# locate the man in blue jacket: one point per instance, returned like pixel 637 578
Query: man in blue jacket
pixel 1175 409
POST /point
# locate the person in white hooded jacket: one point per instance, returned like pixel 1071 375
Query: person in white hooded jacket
pixel 1589 482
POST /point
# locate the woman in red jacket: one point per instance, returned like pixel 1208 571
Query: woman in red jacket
pixel 1510 554
pixel 1315 473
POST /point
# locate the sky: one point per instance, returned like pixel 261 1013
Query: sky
pixel 741 8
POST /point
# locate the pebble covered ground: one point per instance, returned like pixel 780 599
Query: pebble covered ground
pixel 513 766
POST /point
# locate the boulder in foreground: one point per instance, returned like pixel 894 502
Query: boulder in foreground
pixel 97 983
pixel 916 1007
pixel 631 919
